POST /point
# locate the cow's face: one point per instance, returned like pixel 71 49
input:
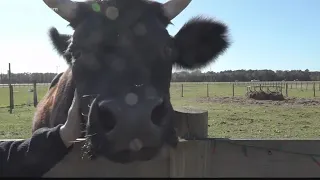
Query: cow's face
pixel 122 57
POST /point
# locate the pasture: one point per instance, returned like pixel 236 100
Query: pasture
pixel 231 114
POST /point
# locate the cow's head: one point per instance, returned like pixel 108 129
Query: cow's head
pixel 122 55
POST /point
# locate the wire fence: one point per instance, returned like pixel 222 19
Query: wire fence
pixel 295 89
pixel 21 94
pixel 30 94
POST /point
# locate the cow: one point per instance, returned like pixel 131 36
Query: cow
pixel 120 59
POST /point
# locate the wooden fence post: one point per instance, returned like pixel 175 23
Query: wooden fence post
pixel 207 89
pixel 11 98
pixel 192 121
pixel 35 94
pixel 314 89
pixel 181 90
pixel 190 158
pixel 232 90
pixel 287 89
pixel 11 103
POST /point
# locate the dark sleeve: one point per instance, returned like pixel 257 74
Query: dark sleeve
pixel 32 157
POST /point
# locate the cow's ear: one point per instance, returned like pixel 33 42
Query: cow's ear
pixel 199 42
pixel 60 43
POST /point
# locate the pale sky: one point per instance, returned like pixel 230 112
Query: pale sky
pixel 266 34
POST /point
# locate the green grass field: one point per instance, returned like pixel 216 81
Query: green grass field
pixel 231 117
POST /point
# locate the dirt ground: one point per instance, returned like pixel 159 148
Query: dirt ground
pixel 247 101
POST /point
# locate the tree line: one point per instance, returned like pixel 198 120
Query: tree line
pixel 19 78
pixel 193 76
pixel 246 75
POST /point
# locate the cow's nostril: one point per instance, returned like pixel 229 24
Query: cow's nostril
pixel 158 113
pixel 106 117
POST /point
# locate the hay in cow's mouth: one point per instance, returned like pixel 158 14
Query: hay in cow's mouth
pixel 123 157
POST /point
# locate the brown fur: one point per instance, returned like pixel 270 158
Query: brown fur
pixel 53 108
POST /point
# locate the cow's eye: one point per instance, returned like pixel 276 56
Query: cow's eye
pixel 168 49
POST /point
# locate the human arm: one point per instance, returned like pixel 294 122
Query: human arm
pixel 32 157
pixel 35 156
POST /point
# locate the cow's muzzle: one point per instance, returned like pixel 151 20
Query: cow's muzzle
pixel 128 130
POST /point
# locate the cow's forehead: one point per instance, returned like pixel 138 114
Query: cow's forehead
pixel 120 15
pixel 113 8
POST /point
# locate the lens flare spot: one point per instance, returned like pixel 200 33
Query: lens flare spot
pixel 135 145
pixel 112 13
pixel 96 7
pixel 131 99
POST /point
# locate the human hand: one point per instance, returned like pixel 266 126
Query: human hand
pixel 71 130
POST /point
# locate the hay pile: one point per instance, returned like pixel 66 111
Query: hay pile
pixel 261 95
